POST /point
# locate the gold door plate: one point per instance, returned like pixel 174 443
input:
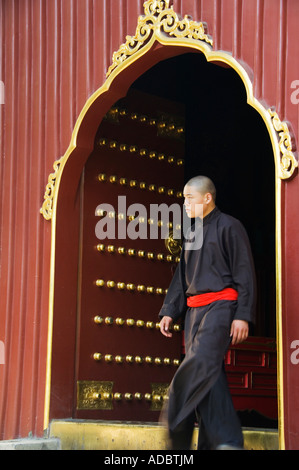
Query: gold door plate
pixel 97 395
pixel 94 395
pixel 159 395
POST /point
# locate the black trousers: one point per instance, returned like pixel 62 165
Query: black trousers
pixel 217 419
pixel 199 389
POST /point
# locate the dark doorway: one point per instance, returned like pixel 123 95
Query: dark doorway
pixel 227 140
pixel 224 138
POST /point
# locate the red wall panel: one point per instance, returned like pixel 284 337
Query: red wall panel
pixel 54 55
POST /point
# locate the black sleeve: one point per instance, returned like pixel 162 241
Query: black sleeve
pixel 242 270
pixel 175 302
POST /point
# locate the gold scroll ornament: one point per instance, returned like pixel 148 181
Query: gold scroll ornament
pixel 159 18
pixel 161 23
pixel 288 162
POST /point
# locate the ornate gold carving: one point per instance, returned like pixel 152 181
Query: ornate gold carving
pixel 158 395
pixel 172 244
pixel 97 395
pixel 159 20
pixel 47 207
pixel 288 162
pixel 94 395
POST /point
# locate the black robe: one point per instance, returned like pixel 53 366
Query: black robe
pixel 224 260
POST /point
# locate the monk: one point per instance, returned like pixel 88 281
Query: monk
pixel 213 290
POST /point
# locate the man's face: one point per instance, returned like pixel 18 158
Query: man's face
pixel 197 204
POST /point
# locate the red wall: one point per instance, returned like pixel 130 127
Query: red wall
pixel 54 56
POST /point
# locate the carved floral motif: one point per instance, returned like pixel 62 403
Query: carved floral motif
pixel 160 21
pixel 288 162
pixel 160 18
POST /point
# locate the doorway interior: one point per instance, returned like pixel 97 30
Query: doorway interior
pixel 226 139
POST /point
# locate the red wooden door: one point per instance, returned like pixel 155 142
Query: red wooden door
pixel 124 364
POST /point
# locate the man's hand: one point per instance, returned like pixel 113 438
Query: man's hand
pixel 239 331
pixel 165 325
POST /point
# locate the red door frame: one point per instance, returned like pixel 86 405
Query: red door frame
pixel 65 229
pixel 65 241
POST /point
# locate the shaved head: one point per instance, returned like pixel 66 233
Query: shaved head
pixel 203 185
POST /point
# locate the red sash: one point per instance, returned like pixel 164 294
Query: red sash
pixel 206 299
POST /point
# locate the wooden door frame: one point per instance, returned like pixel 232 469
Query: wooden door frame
pixel 160 34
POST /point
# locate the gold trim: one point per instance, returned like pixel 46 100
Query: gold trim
pixel 174 34
pixel 159 19
pixel 288 162
pixel 47 207
pixel 173 245
pixel 94 395
pixel 162 24
pixel 278 262
pixel 97 395
pixel 159 395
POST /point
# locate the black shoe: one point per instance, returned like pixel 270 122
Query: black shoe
pixel 228 447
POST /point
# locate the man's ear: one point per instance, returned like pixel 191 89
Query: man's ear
pixel 208 198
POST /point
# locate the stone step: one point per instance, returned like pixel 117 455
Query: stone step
pixel 107 435
pixel 31 444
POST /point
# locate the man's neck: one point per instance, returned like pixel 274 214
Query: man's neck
pixel 209 209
